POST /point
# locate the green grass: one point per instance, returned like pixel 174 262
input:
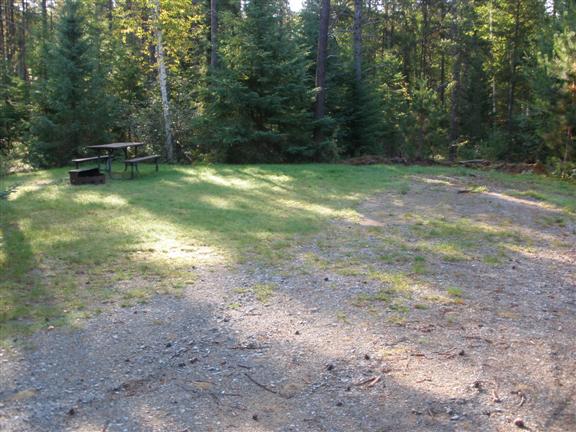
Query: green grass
pixel 419 265
pixel 454 292
pixel 548 190
pixel 65 251
pixel 263 292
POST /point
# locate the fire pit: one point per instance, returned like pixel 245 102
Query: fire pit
pixel 86 176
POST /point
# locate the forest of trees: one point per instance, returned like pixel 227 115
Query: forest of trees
pixel 252 81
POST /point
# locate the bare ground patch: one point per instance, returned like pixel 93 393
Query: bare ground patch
pixel 444 306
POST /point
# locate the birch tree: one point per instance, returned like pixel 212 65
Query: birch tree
pixel 163 82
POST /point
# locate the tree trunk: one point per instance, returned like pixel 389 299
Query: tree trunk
pixel 358 40
pixel 10 34
pixel 22 65
pixel 421 133
pixel 513 67
pixel 424 42
pixel 44 19
pixel 320 105
pixel 455 94
pixel 493 80
pixel 2 46
pixel 213 34
pixel 442 86
pixel 110 7
pixel 163 81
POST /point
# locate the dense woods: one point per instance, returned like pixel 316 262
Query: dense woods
pixel 253 81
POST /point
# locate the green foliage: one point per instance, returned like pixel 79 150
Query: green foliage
pixel 73 110
pixel 493 79
pixel 258 103
pixel 422 126
pixel 13 112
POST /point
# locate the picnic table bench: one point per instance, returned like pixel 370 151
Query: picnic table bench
pixel 80 176
pixel 135 161
pixel 98 158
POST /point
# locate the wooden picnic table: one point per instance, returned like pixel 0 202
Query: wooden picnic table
pixel 110 148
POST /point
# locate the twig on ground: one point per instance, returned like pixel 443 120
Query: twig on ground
pixel 261 385
pixel 375 381
pixel 479 338
pixel 448 352
pixel 370 381
pixel 244 366
pixel 250 346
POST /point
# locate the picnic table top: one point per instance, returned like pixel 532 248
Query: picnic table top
pixel 112 146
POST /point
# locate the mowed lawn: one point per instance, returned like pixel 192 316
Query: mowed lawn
pixel 67 251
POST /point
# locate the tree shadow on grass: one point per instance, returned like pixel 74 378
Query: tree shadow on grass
pixel 20 287
pixel 87 237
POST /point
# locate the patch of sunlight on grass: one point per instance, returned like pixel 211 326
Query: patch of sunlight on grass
pixel 96 199
pixel 478 189
pixel 530 194
pixel 449 252
pixel 136 294
pixel 438 298
pixel 553 191
pixel 397 320
pixel 464 233
pixel 344 269
pixel 364 299
pixel 454 292
pixel 263 292
pixel 315 261
pixel 398 283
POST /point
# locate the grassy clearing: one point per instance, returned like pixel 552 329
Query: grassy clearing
pixel 548 190
pixel 65 251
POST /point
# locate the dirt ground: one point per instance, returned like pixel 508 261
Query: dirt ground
pixel 443 307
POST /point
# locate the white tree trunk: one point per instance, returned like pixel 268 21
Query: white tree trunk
pixel 163 79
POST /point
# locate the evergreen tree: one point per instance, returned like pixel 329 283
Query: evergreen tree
pixel 258 108
pixel 74 110
pixel 13 113
pixel 554 102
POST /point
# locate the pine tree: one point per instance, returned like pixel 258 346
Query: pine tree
pixel 260 99
pixel 74 110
